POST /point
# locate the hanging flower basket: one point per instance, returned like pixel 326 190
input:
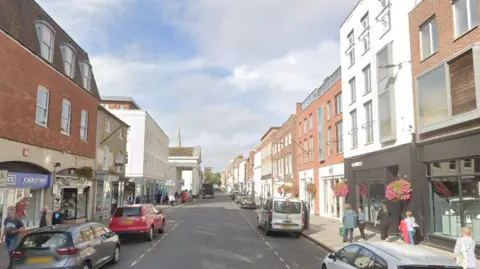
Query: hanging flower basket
pixel 84 173
pixel 362 189
pixel 441 189
pixel 279 190
pixel 312 189
pixel 340 189
pixel 296 193
pixel 287 189
pixel 398 191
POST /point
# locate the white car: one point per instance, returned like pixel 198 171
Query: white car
pixel 281 215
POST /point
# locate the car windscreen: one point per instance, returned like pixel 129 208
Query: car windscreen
pixel 287 207
pixel 46 240
pixel 128 212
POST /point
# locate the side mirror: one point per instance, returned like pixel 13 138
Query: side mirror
pixel 110 234
pixel 332 256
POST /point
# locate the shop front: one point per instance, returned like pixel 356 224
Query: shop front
pixel 369 174
pixel 108 195
pixel 307 177
pixel 452 189
pixel 72 196
pixel 330 205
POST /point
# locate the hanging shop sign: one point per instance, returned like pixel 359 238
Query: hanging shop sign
pixel 31 181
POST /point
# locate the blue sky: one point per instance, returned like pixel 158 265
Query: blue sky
pixel 223 70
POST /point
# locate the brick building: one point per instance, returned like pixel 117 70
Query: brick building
pixel 284 156
pixel 266 147
pixel 444 43
pixel 48 116
pixel 320 138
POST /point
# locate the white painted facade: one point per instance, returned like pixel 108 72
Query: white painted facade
pixel 147 145
pixel 257 172
pixel 381 31
pixel 242 174
pixel 306 177
pixel 329 205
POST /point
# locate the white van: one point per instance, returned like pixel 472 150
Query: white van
pixel 281 215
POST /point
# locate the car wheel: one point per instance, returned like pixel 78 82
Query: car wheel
pixel 162 227
pixel 116 255
pixel 324 266
pixel 150 234
pixel 86 265
pixel 265 229
pixel 298 235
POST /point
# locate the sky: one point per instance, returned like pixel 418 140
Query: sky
pixel 223 71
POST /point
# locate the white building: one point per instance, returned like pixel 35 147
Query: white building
pixel 242 175
pixel 147 148
pixel 377 96
pixel 257 173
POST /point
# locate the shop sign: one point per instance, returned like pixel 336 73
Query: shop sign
pixel 31 181
pixel 3 178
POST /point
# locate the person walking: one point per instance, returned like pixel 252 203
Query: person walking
pixel 411 224
pixel 464 251
pixel 172 200
pixel 361 223
pixel 383 219
pixel 349 223
pixel 12 226
pixel 46 218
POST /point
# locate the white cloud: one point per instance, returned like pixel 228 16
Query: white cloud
pixel 274 52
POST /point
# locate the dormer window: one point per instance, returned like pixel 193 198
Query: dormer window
pixel 46 39
pixel 86 71
pixel 68 56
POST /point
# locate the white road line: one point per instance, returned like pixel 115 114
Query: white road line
pixel 133 263
pixel 141 256
pixel 286 265
pixel 148 250
pixel 280 259
pixel 155 244
pixel 276 253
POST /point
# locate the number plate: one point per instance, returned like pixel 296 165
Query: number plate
pixel 285 225
pixel 127 222
pixel 39 260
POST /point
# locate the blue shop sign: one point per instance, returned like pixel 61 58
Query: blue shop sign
pixel 30 181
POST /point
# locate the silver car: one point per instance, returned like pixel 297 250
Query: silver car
pixel 385 255
pixel 79 246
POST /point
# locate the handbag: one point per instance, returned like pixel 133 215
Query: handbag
pixel 341 231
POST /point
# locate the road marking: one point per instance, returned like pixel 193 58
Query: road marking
pixel 155 244
pixel 133 263
pixel 287 266
pixel 141 256
pixel 276 253
pixel 148 250
pixel 281 259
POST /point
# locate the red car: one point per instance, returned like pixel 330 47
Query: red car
pixel 142 219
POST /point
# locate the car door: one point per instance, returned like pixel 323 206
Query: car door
pixel 105 246
pixel 365 259
pixel 157 217
pixel 87 244
pixel 149 215
pixel 266 211
pixel 344 258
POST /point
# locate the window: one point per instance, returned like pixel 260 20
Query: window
pixel 27 202
pixel 339 131
pixel 452 165
pixel 329 141
pixel 86 71
pixel 310 122
pixel 46 240
pixel 385 105
pixel 338 104
pixel 329 110
pixel 465 15
pixel 120 132
pixel 354 133
pixel 107 126
pixel 84 125
pixel 353 91
pixel 300 153
pixel 320 141
pixel 367 79
pixel 348 253
pixel 364 259
pixel 467 164
pixel 432 97
pixel 385 87
pixel 66 114
pixel 385 22
pixel 41 116
pixel 311 148
pixel 68 55
pixel 368 122
pixel 46 39
pixel 351 48
pixel 87 234
pixel 305 150
pixel 105 158
pixel 428 38
pixel 305 127
pixel 365 37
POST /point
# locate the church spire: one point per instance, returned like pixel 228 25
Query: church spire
pixel 179 138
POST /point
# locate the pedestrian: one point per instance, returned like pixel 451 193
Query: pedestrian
pixel 172 200
pixel 12 226
pixel 411 224
pixel 383 219
pixel 404 231
pixel 44 220
pixel 464 252
pixel 349 223
pixel 361 223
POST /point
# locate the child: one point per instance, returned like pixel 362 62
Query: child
pixel 403 229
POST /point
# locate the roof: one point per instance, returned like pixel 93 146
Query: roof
pixel 19 23
pixel 120 99
pixel 112 115
pixel 181 151
pixel 269 131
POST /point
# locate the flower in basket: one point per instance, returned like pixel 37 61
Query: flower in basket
pixel 441 189
pixel 287 188
pixel 340 189
pixel 84 172
pixel 398 190
pixel 279 190
pixel 362 189
pixel 312 189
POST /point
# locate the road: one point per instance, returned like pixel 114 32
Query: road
pixel 216 234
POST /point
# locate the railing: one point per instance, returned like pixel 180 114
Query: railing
pixel 327 84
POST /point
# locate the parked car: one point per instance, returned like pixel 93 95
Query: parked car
pixel 85 246
pixel 281 215
pixel 239 198
pixel 383 255
pixel 248 202
pixel 142 219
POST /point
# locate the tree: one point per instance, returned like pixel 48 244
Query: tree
pixel 213 178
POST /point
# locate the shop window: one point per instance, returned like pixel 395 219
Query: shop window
pixel 370 197
pixel 454 197
pixel 99 196
pixel 27 204
pixel 74 203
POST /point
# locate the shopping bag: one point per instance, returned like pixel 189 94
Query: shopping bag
pixel 341 231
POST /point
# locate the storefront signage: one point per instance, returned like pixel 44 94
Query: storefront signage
pixel 3 178
pixel 356 164
pixel 32 181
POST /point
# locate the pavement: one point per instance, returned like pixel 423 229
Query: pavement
pixel 323 231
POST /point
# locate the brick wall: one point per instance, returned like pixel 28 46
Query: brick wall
pixel 20 76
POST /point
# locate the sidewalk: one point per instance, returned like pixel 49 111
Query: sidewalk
pixel 324 232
